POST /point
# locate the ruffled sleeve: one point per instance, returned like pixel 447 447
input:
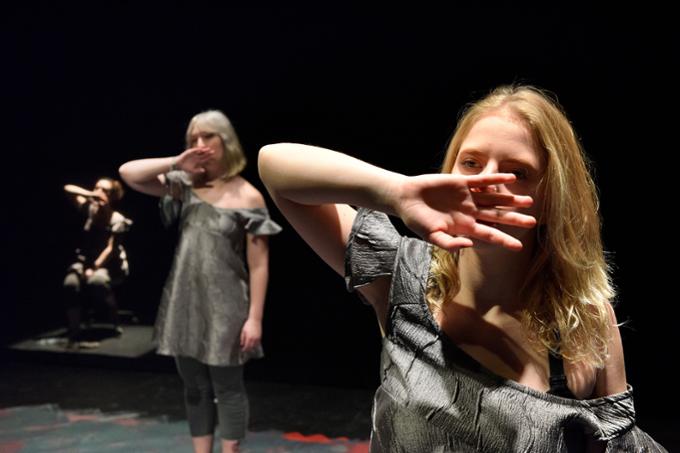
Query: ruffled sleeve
pixel 258 222
pixel 371 249
pixel 615 416
pixel 635 440
pixel 119 223
pixel 179 185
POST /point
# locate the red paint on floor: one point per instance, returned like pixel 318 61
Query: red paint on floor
pixel 314 438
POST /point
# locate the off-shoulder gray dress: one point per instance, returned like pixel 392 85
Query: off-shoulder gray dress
pixel 205 300
pixel 435 398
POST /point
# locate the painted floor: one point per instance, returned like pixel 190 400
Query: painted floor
pixel 47 428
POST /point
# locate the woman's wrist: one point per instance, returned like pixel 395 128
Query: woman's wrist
pixel 387 192
pixel 173 163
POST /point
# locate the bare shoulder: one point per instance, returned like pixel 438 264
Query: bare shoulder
pixel 611 378
pixel 251 197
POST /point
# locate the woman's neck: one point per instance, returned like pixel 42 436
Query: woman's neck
pixel 213 176
pixel 492 276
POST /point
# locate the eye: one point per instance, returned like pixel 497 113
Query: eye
pixel 468 163
pixel 208 135
pixel 520 173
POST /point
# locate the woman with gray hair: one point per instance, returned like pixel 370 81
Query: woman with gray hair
pixel 210 317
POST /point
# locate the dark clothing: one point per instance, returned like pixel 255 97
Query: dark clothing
pixel 95 239
pixel 214 393
pixel 79 289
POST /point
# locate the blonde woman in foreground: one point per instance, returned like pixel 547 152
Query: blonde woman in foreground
pixel 498 329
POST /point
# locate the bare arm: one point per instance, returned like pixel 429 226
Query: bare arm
pixel 314 186
pixel 144 175
pixel 105 254
pixel 257 254
pixel 147 175
pixel 612 378
pixel 78 194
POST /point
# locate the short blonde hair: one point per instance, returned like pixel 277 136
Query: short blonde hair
pixel 568 287
pixel 217 122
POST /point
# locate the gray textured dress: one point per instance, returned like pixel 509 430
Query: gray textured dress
pixel 205 300
pixel 435 398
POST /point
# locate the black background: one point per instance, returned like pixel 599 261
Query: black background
pixel 86 88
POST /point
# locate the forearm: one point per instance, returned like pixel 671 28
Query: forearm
pixel 259 277
pixel 72 189
pixel 103 256
pixel 142 174
pixel 313 176
pixel 77 194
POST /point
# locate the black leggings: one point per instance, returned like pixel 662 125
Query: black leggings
pixel 211 390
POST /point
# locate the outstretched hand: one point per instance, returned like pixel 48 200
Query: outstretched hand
pixel 193 160
pixel 450 210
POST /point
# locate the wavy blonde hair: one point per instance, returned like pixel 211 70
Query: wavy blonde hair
pixel 217 122
pixel 568 287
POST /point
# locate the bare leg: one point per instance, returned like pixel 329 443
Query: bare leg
pixel 202 444
pixel 230 446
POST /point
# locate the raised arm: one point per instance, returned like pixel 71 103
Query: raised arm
pixel 442 209
pixel 147 175
pixel 79 195
pixel 313 187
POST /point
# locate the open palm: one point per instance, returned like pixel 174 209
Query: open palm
pixel 451 210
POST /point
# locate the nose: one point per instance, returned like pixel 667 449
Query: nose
pixel 490 167
pixel 200 142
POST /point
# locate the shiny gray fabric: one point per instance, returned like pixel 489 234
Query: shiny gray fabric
pixel 205 300
pixel 435 398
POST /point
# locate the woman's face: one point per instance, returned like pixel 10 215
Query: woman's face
pixel 204 138
pixel 500 143
pixel 103 188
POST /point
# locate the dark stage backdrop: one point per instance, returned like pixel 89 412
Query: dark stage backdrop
pixel 84 90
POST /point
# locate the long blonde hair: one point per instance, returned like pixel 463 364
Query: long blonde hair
pixel 568 287
pixel 217 122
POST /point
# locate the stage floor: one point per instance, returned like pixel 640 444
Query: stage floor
pixel 80 408
pixel 97 339
pixel 123 383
